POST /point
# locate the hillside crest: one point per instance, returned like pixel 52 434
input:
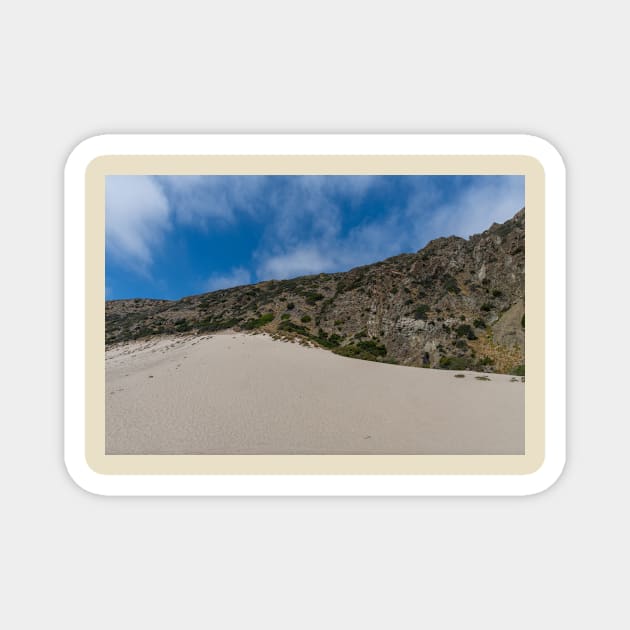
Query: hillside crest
pixel 455 304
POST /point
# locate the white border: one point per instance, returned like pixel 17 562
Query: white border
pixel 315 485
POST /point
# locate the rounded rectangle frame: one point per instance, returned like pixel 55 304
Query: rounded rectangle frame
pixel 327 475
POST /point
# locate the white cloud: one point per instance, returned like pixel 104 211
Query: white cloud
pixel 363 245
pixel 309 207
pixel 137 217
pixel 301 219
pixel 488 200
pixel 300 261
pixel 140 210
pixel 200 200
pixel 234 278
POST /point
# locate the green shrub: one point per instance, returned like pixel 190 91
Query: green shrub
pixel 388 360
pixel 372 347
pixel 420 312
pixel 305 319
pixel 454 363
pixel 285 316
pixel 496 293
pixel 518 371
pixel 331 342
pixel 348 351
pixel 290 306
pixel 366 350
pixel 479 323
pixel 181 325
pixel 312 297
pixel 487 306
pixel 289 326
pixel 260 321
pixel 450 284
pixel 222 324
pixel 334 340
pixel 464 330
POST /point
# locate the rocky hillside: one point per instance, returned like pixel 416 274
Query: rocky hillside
pixel 456 304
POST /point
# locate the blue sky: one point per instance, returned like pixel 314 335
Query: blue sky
pixel 168 237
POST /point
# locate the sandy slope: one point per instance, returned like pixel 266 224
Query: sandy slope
pixel 236 393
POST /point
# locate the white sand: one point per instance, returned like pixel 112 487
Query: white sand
pixel 237 393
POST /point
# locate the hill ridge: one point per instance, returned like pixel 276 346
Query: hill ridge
pixel 455 304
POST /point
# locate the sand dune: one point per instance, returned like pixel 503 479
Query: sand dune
pixel 237 393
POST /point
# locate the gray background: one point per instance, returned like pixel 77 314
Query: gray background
pixel 72 70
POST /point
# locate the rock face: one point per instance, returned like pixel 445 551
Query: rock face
pixel 455 304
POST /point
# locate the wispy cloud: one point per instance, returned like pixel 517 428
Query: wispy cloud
pixel 137 219
pixel 485 201
pixel 304 225
pixel 202 201
pixel 234 278
pixel 303 233
pixel 302 260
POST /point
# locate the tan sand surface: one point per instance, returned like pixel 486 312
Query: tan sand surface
pixel 238 393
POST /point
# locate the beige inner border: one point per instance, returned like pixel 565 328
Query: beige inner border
pixel 99 168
